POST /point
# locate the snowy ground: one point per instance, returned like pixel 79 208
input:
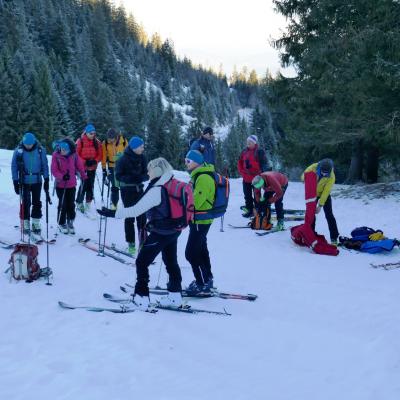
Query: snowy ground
pixel 322 327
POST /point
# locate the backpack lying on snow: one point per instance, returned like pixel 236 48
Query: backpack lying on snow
pixel 261 221
pixel 24 263
pixel 368 240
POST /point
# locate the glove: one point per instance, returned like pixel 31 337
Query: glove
pixel 66 177
pixel 106 212
pixel 202 148
pixel 90 163
pixel 46 184
pixel 318 209
pixel 16 187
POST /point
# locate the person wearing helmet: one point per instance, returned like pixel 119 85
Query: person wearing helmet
pixel 324 170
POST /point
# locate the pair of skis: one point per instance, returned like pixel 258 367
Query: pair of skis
pixel 213 293
pixel 263 233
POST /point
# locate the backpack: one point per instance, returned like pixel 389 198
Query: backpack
pixel 221 198
pixel 24 263
pixel 260 221
pixel 181 204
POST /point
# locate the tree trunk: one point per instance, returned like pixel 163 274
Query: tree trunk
pixel 354 174
pixel 372 164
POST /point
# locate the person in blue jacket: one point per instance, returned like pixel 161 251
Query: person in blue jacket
pixel 28 166
pixel 205 145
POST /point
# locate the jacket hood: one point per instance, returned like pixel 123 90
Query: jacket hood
pixel 202 169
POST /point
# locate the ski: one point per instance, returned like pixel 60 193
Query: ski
pixel 36 238
pixel 116 249
pixel 289 218
pixel 387 266
pixel 239 226
pixel 6 245
pixel 122 310
pixel 184 308
pixel 213 293
pixel 270 231
pixel 85 243
pixel 292 211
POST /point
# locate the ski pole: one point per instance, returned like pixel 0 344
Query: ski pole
pixel 222 224
pixel 47 235
pixel 105 223
pixel 62 203
pixel 159 274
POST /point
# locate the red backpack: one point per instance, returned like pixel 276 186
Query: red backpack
pixel 181 205
pixel 24 263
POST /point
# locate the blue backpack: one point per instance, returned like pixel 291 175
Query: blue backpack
pixel 221 198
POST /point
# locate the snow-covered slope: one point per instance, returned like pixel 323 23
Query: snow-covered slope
pixel 322 327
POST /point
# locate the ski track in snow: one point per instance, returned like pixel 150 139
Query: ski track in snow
pixel 322 327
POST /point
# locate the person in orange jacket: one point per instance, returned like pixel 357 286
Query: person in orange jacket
pixel 274 185
pixel 113 148
pixel 88 148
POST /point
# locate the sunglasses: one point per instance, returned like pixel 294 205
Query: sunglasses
pixel 187 161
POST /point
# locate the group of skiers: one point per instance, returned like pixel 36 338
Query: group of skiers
pixel 262 187
pixel 125 169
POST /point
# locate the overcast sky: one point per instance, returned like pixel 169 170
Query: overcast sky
pixel 214 32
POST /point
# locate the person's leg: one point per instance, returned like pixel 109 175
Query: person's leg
pixel 89 190
pixel 26 202
pixel 333 230
pixel 70 204
pixel 280 215
pixel 149 251
pixel 193 252
pixel 129 223
pixel 61 209
pixel 169 256
pixel 114 189
pixel 205 264
pixel 36 203
pixel 248 196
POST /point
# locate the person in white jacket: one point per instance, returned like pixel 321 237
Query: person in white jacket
pixel 163 235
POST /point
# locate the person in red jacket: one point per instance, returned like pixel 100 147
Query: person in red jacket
pixel 89 150
pixel 274 185
pixel 252 162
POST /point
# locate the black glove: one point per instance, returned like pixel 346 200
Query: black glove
pixel 66 177
pixel 90 163
pixel 106 212
pixel 16 187
pixel 46 184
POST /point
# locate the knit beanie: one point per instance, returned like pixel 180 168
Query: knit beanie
pixel 196 156
pixel 209 130
pixel 135 142
pixel 29 139
pixel 258 182
pixel 112 133
pixel 325 167
pixel 253 138
pixel 90 128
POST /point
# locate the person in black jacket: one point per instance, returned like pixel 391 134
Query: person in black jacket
pixel 131 172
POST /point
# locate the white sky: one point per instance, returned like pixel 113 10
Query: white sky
pixel 211 32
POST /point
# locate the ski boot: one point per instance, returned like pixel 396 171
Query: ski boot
pixel 36 228
pixel 141 302
pixel 80 207
pixel 113 206
pixel 63 228
pixel 246 212
pixel 280 226
pixel 27 227
pixel 71 229
pixel 194 289
pixel 131 249
pixel 172 299
pixel 334 242
pixel 208 286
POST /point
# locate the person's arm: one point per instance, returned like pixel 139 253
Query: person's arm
pixel 327 189
pixel 99 155
pixel 55 170
pixel 151 199
pixel 79 167
pixel 79 147
pixel 14 167
pixel 195 145
pixel 276 187
pixel 204 191
pixel 263 160
pixel 45 165
pixel 104 156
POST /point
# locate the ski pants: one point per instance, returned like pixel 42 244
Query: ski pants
pixel 330 218
pixel 280 214
pixel 66 205
pixel 114 189
pixel 130 195
pixel 87 188
pixel 153 245
pixel 196 252
pixel 248 195
pixel 31 196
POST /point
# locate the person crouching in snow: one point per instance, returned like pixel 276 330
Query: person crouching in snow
pixel 163 235
pixel 252 162
pixel 324 170
pixel 274 185
pixel 65 165
pixel 196 248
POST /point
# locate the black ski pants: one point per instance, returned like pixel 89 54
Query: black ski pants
pixel 87 188
pixel 114 189
pixel 248 196
pixel 66 205
pixel 196 252
pixel 130 195
pixel 153 245
pixel 280 214
pixel 31 197
pixel 330 218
